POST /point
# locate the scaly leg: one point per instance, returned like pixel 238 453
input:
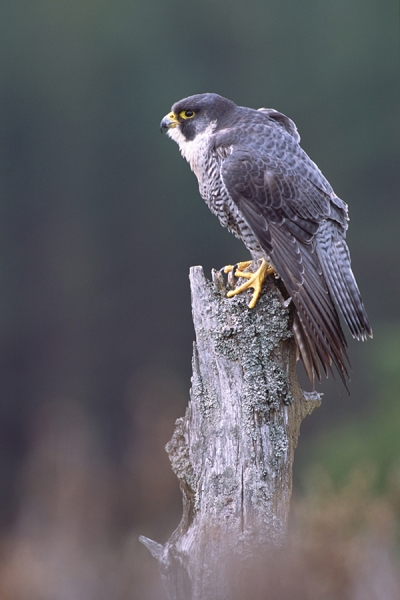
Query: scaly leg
pixel 254 280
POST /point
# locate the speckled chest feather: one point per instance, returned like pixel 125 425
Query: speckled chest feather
pixel 205 161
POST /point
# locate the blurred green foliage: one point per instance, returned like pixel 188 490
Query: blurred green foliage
pixel 374 440
pixel 100 218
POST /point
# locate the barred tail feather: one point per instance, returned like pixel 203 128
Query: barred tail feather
pixel 335 261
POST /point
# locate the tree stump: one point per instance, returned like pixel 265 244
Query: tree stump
pixel 233 450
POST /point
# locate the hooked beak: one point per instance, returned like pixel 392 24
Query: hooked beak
pixel 169 121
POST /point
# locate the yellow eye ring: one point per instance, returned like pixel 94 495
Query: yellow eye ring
pixel 187 114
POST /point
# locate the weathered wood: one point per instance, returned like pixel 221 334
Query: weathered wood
pixel 233 450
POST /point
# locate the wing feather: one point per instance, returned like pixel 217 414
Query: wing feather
pixel 285 214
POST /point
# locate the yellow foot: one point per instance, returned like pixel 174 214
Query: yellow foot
pixel 254 280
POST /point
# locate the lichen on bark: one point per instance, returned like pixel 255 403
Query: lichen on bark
pixel 233 450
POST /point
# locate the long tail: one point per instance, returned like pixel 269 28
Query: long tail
pixel 335 261
pixel 318 332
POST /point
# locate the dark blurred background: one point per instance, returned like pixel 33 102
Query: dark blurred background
pixel 101 220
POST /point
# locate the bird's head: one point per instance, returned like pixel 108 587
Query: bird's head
pixel 191 116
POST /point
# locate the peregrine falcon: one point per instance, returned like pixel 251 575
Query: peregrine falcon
pixel 264 188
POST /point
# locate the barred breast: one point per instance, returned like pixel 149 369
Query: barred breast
pixel 213 191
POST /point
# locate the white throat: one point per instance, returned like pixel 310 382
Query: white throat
pixel 194 151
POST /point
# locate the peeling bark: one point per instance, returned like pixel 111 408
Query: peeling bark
pixel 233 450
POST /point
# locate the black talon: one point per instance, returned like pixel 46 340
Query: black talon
pixel 232 276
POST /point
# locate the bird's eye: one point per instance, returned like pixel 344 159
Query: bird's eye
pixel 186 114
